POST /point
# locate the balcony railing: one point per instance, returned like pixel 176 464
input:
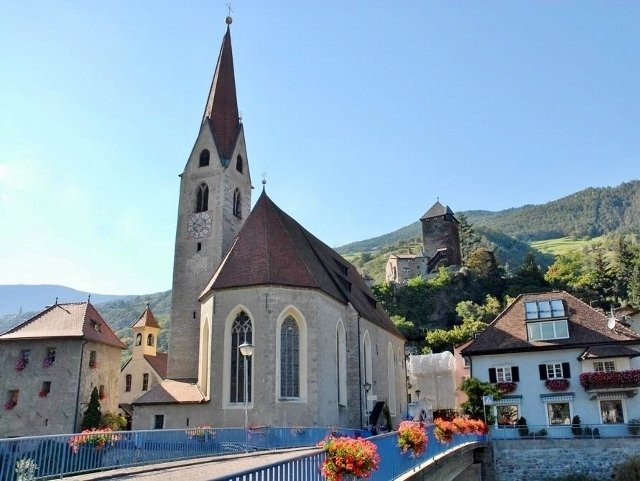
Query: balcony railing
pixel 610 380
pixel 566 431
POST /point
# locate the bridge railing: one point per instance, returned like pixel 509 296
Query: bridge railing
pixel 566 431
pixel 393 462
pixel 64 455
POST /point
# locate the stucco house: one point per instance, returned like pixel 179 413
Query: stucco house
pixel 51 363
pixel 555 357
pixel 147 366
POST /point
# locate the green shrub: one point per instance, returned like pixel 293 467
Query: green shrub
pixel 575 426
pixel 542 433
pixel 114 421
pixel 628 471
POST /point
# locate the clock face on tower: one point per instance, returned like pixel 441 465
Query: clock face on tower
pixel 199 225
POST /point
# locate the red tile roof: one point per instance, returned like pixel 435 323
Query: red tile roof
pixel 221 110
pixel 147 319
pixel 272 248
pixel 508 331
pixel 79 319
pixel 158 363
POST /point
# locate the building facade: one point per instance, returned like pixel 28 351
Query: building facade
pixel 52 363
pixel 554 357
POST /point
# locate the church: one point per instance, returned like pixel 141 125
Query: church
pixel 269 325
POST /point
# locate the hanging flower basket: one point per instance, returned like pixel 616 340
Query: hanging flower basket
pixel 48 362
pixel 43 393
pixel 557 385
pixel 21 364
pixel 10 405
pixel 444 430
pixel 412 436
pixel 348 458
pixel 98 438
pixel 93 364
pixel 506 387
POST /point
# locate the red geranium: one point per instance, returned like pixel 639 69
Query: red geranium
pixel 349 456
pixel 591 380
pixel 411 435
pixel 557 384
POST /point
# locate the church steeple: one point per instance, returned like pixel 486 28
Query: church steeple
pixel 221 110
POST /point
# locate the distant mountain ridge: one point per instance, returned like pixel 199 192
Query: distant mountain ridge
pixel 590 212
pixel 29 298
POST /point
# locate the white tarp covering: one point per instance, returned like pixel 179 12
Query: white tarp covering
pixel 433 376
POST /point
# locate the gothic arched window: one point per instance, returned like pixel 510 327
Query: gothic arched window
pixel 241 332
pixel 236 204
pixel 150 340
pixel 341 363
pixel 138 339
pixel 202 198
pixel 289 358
pixel 204 158
pixel 391 377
pixel 239 164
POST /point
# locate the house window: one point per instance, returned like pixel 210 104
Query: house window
pixel 507 415
pixel 558 413
pixel 236 204
pixel 93 359
pixel 145 381
pixel 465 362
pixel 241 332
pixel 12 398
pixel 51 354
pixel 101 392
pixel 25 354
pixel 554 371
pixel 202 198
pixel 289 358
pixel 127 383
pixel 138 339
pixel 604 366
pixel 239 164
pixel 204 158
pixel 544 309
pixel 158 421
pixel 199 247
pixel 45 389
pixel 542 331
pixel 503 374
pixel 611 411
pixel 150 340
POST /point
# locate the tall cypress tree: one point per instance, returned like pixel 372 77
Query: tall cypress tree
pixel 92 415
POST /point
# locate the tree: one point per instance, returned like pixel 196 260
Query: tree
pixel 633 296
pixel 92 416
pixel 529 278
pixel 624 266
pixel 407 328
pixel 482 262
pixel 114 421
pixel 601 279
pixel 469 238
pixel 475 390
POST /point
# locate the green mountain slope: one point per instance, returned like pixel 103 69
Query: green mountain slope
pixel 588 213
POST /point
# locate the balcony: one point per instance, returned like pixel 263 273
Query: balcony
pixel 598 383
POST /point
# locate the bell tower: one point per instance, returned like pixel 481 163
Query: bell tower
pixel 215 198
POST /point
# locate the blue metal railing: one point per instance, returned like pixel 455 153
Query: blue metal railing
pixel 64 455
pixel 393 462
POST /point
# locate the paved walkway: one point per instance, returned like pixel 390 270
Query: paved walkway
pixel 201 469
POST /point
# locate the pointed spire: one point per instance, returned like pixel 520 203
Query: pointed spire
pixel 221 109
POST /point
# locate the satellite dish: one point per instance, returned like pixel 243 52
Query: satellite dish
pixel 611 323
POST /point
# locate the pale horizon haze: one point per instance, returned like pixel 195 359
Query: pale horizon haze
pixel 360 113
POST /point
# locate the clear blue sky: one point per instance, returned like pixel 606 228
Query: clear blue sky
pixel 361 113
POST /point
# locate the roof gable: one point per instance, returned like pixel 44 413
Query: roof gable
pixel 272 248
pixel 508 331
pixel 437 210
pixel 147 319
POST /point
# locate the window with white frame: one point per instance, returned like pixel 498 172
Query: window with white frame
pixel 554 371
pixel 503 374
pixel 542 331
pixel 604 366
pixel 611 411
pixel 559 413
pixel 507 415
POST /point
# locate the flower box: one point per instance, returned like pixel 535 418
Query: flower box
pixel 43 393
pixel 412 436
pixel 349 457
pixel 10 405
pixel 613 379
pixel 21 364
pixel 557 385
pixel 93 364
pixel 98 438
pixel 48 362
pixel 444 430
pixel 506 387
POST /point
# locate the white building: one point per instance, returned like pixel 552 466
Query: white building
pixel 555 357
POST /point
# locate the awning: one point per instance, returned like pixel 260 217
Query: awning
pixel 557 397
pixel 508 401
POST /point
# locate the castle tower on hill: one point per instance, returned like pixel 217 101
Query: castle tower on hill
pixel 215 198
pixel 440 236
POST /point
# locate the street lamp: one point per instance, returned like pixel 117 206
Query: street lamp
pixel 246 349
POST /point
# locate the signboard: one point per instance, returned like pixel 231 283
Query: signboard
pixel 487 400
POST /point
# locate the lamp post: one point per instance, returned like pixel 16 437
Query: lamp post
pixel 246 349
